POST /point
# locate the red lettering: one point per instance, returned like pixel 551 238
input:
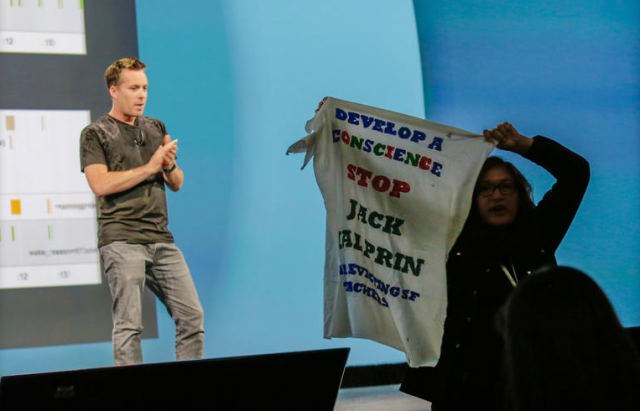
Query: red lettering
pixel 364 176
pixel 351 169
pixel 399 187
pixel 425 163
pixel 345 137
pixel 389 153
pixel 380 183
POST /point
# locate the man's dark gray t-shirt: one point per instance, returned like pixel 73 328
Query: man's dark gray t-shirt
pixel 137 215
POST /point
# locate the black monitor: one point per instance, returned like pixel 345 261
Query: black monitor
pixel 307 380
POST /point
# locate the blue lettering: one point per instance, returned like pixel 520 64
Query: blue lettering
pixel 384 288
pixel 404 133
pixel 435 169
pixel 389 129
pixel 367 146
pixel 436 144
pixel 336 136
pixel 370 277
pixel 353 118
pixel 366 120
pixel 341 114
pixel 378 124
pixel 398 154
pixel 418 136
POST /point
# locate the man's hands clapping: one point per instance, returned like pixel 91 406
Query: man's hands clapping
pixel 165 156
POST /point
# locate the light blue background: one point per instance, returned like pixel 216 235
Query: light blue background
pixel 569 71
pixel 236 80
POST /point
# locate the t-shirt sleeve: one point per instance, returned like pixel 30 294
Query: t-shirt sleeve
pixel 91 152
pixel 163 128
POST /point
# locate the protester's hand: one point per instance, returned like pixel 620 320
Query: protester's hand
pixel 321 104
pixel 506 137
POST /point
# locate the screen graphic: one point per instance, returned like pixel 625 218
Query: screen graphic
pixel 52 293
pixel 42 26
pixel 47 219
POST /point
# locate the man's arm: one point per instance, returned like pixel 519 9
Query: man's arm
pixel 104 182
pixel 172 174
pixel 173 178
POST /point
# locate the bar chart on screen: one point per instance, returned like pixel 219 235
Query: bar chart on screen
pixel 48 229
pixel 42 26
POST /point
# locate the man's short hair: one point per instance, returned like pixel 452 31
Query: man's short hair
pixel 112 75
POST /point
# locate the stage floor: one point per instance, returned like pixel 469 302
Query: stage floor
pixel 381 398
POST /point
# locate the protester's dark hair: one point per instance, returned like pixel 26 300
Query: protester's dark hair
pixel 112 74
pixel 565 348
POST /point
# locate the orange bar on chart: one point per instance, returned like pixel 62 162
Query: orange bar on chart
pixel 16 207
pixel 10 123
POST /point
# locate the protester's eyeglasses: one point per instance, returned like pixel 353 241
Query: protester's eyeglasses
pixel 487 190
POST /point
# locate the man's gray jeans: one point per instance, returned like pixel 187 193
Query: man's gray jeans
pixel 162 268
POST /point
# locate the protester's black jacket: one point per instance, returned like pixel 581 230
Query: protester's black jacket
pixel 478 286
